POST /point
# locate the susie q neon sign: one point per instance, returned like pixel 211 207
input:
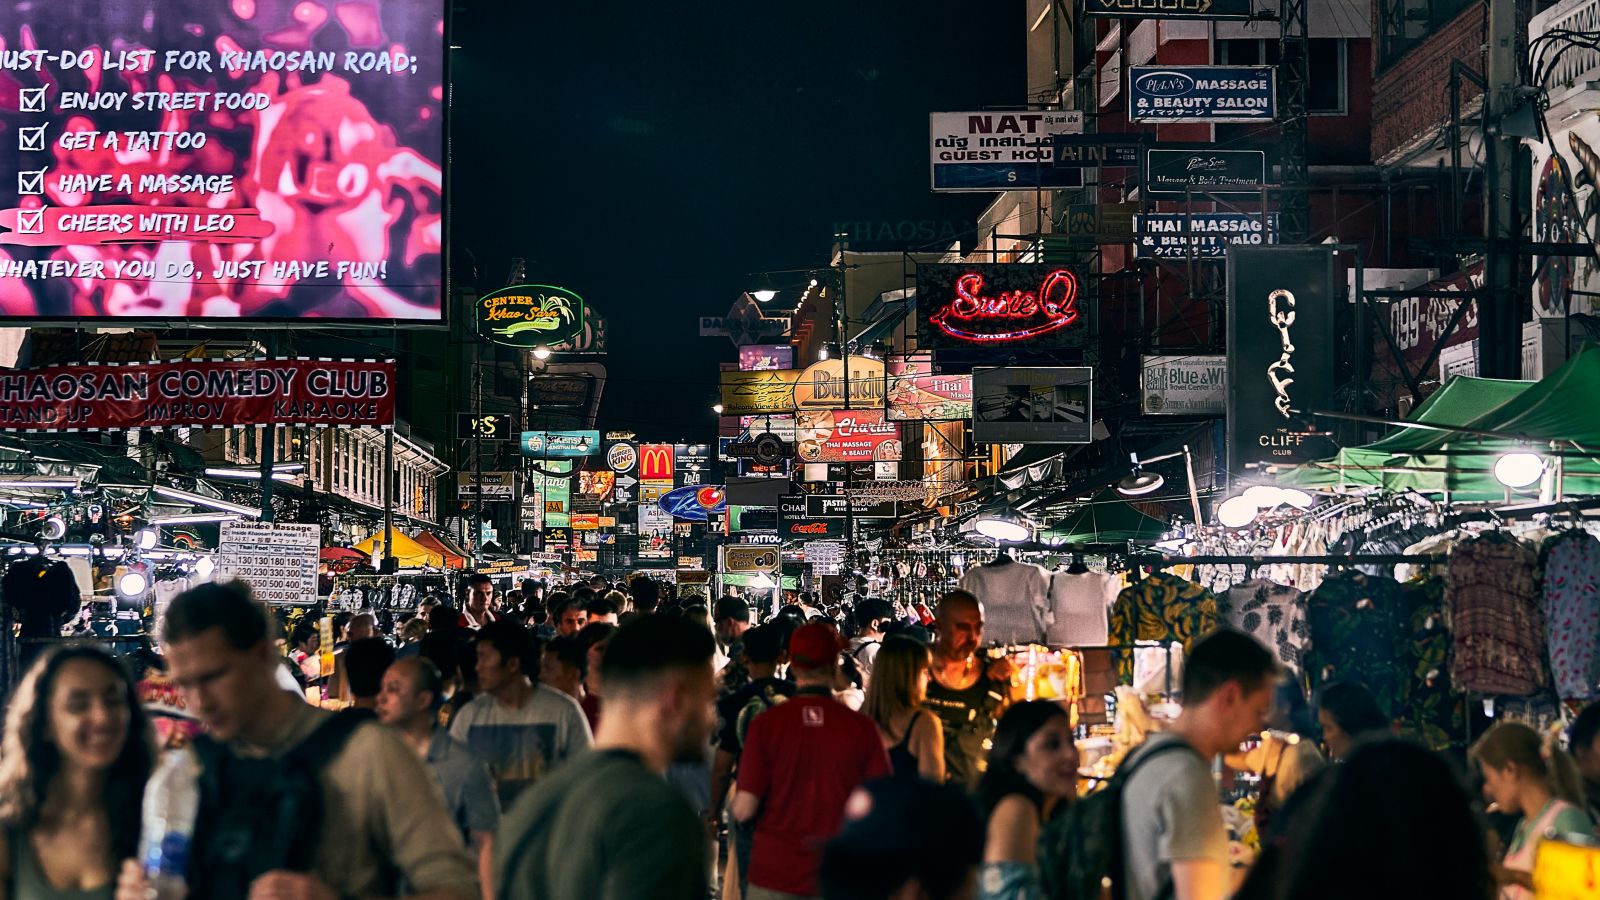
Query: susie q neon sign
pixel 1009 315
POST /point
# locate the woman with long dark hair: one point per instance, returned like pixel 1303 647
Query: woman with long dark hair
pixel 1032 775
pixel 75 757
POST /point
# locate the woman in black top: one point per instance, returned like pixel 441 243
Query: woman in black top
pixel 913 736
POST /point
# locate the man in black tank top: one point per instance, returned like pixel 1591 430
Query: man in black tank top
pixel 967 692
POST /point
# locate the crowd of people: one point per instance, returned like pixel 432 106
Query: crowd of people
pixel 592 740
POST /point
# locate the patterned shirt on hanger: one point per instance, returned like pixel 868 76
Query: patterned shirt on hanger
pixel 1274 614
pixel 1161 607
pixel 1497 616
pixel 1572 610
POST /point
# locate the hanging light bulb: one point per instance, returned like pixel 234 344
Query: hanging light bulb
pixel 1518 470
pixel 1236 512
pixel 204 567
pixel 147 538
pixel 132 583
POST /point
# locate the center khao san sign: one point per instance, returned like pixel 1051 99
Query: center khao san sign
pixel 997 305
pixel 530 315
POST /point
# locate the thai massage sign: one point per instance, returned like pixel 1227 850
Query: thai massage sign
pixel 916 393
pixel 198 393
pixel 530 315
pixel 998 305
pixel 846 435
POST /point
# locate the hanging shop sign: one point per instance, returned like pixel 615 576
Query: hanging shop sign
pixel 560 444
pixel 1185 386
pixel 553 492
pixel 1169 9
pixel 530 315
pixel 279 562
pixel 759 538
pixel 1032 405
pixel 560 391
pixel 1282 353
pixel 846 435
pixel 597 484
pixel 835 506
pixel 1186 169
pixel 735 558
pixel 758 393
pixel 495 485
pixel 765 357
pixel 265 162
pixel 1201 94
pixel 765 449
pixel 694 503
pixel 655 532
pixel 1000 151
pixel 487 427
pixel 1107 150
pixel 557 537
pixel 824 384
pixel 747 322
pixel 198 394
pixel 691 463
pixel 622 456
pixel 585 522
pixel 1202 236
pixel 812 529
pixel 1007 304
pixel 915 393
pixel 1084 224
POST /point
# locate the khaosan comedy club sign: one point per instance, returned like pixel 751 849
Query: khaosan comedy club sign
pixel 998 305
pixel 198 393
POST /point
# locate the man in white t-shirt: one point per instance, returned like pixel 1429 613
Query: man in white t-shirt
pixel 872 616
pixel 1172 815
pixel 521 728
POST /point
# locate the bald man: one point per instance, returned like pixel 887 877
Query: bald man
pixel 410 699
pixel 967 692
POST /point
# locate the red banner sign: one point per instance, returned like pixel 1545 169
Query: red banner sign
pixel 846 435
pixel 198 393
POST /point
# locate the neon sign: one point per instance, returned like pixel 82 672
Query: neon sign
pixel 1008 315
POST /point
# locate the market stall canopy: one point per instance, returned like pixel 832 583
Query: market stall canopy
pixel 452 559
pixel 343 559
pixel 1106 519
pixel 1455 457
pixel 411 554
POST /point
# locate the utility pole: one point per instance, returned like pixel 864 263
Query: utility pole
pixel 1499 307
pixel 1294 73
pixel 388 564
pixel 268 445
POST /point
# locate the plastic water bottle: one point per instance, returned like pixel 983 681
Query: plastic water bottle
pixel 171 804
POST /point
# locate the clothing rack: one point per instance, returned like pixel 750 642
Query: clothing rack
pixel 1332 559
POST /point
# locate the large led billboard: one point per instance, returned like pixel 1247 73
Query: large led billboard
pixel 269 160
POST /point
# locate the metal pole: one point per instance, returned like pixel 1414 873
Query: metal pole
pixel 1194 495
pixel 269 447
pixel 842 317
pixel 388 502
pixel 1500 339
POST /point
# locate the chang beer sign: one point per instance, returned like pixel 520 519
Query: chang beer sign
pixel 531 315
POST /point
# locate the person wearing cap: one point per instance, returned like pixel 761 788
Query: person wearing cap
pixel 800 762
pixel 904 838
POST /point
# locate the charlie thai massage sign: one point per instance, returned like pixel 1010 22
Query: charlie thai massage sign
pixel 998 305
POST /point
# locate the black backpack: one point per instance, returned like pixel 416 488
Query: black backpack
pixel 261 815
pixel 1080 852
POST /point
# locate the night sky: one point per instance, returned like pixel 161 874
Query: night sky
pixel 651 156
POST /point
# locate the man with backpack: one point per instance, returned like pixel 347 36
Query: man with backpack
pixel 295 801
pixel 1156 828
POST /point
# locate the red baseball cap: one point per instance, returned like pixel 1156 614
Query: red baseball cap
pixel 815 646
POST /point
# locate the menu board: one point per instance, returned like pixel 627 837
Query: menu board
pixel 279 562
pixel 222 159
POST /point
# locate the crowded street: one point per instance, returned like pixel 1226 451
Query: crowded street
pixel 855 450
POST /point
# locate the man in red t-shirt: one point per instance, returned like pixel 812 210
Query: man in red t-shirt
pixel 801 761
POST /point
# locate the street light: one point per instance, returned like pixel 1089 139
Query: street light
pixel 1138 482
pixel 1236 512
pixel 1006 527
pixel 541 353
pixel 716 408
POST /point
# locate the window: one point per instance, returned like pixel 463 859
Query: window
pixel 1403 24
pixel 1326 68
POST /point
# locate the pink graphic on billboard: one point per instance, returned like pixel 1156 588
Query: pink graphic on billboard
pixel 225 159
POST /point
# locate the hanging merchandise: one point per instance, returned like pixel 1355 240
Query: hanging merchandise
pixel 1080 608
pixel 1497 616
pixel 1571 564
pixel 1274 614
pixel 1355 623
pixel 1430 707
pixel 1161 607
pixel 1015 597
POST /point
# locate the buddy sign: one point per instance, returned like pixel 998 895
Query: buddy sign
pixel 997 305
pixel 530 315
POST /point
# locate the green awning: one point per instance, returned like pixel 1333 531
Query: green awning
pixel 1106 519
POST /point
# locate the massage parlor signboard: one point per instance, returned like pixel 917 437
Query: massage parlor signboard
pixel 198 394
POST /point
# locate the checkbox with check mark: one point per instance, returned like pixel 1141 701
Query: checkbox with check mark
pixel 32 100
pixel 30 221
pixel 31 140
pixel 31 183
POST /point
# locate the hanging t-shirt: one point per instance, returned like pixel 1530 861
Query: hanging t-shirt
pixel 1355 622
pixel 1274 614
pixel 1080 608
pixel 1497 615
pixel 1162 607
pixel 1014 597
pixel 1572 609
pixel 1430 711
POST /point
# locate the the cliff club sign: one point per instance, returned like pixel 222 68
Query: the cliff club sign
pixel 995 304
pixel 530 315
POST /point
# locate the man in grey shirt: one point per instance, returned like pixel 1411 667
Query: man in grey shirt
pixel 1175 843
pixel 409 701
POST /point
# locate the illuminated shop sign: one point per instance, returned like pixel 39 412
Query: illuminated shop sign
pixel 995 304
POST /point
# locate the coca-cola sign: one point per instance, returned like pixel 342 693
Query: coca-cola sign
pixel 998 305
